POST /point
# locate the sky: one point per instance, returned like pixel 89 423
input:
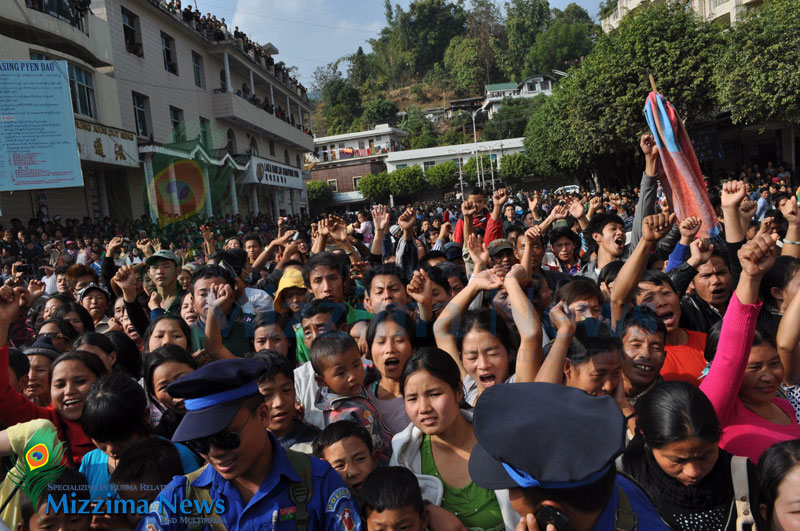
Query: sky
pixel 312 33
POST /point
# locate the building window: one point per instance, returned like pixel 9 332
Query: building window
pixel 132 33
pixel 81 86
pixel 271 148
pixel 170 57
pixel 428 164
pixel 333 184
pixel 178 124
pixel 140 111
pixel 377 139
pixel 545 84
pixel 253 146
pixel 286 156
pixel 231 144
pixel 401 166
pixel 199 73
pixel 297 159
pixel 361 144
pixel 205 132
pixel 356 180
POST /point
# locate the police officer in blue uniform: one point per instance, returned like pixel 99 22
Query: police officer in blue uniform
pixel 556 457
pixel 250 481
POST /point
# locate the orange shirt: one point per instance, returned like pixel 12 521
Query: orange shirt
pixel 685 362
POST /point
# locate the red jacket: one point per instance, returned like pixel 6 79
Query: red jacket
pixel 16 408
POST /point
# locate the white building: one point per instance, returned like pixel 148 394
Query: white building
pixel 528 88
pixel 149 92
pixel 459 153
pixel 724 11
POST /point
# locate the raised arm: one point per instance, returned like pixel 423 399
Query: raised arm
pixel 380 218
pixel 552 369
pixel 791 213
pixel 646 206
pixel 653 228
pixel 499 199
pixel 724 379
pixel 788 341
pixel 733 193
pixel 451 314
pixel 214 345
pixel 529 355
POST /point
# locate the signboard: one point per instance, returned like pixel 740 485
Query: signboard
pixel 37 131
pixel 265 171
pixel 100 143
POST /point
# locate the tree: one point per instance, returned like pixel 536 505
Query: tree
pixel 757 76
pixel 485 25
pixel 319 194
pixel 568 40
pixel 461 60
pixel 406 181
pixel 341 106
pixel 594 119
pixel 325 74
pixel 380 110
pixel 358 71
pixel 420 129
pixel 443 175
pixel 514 168
pixel 524 20
pixel 470 169
pixel 374 187
pixel 511 119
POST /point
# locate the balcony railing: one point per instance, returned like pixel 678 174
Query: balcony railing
pixel 73 13
pixel 353 153
pixel 277 112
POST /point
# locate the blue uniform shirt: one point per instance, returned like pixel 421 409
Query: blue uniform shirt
pixel 647 515
pixel 330 508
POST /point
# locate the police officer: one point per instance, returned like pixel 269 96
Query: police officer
pixel 557 459
pixel 250 481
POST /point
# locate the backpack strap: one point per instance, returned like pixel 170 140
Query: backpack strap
pixel 624 518
pixel 300 493
pixel 741 493
pixel 198 521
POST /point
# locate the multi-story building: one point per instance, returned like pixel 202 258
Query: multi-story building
pixel 724 11
pixel 341 160
pixel 170 119
pixel 218 105
pixel 528 88
pixel 38 30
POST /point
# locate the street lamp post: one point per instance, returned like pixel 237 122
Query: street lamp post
pixel 475 140
pixel 460 175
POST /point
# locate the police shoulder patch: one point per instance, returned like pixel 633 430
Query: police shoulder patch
pixel 339 494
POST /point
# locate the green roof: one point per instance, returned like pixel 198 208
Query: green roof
pixel 509 85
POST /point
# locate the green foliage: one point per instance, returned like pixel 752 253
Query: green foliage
pixel 379 111
pixel 470 169
pixel 443 176
pixel 374 187
pixel 341 106
pixel 563 44
pixel 595 115
pixel 319 194
pixel 511 119
pixel 524 20
pixel 514 168
pixel 420 129
pixel 607 8
pixel 485 26
pixel 325 74
pixel 406 181
pixel 454 136
pixel 757 75
pixel 461 60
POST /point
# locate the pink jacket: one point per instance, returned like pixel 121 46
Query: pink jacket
pixel 743 432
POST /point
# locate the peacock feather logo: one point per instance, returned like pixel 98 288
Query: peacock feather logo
pixel 39 464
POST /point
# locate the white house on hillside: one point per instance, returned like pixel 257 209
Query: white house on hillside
pixel 529 88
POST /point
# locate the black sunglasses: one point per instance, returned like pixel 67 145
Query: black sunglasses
pixel 224 440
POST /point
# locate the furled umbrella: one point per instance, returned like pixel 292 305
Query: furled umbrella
pixel 678 168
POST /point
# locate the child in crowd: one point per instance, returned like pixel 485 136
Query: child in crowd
pixel 39 516
pixel 347 446
pixel 392 499
pixel 339 371
pixel 277 386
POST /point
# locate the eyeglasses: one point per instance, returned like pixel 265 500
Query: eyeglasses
pixel 224 440
pixel 51 335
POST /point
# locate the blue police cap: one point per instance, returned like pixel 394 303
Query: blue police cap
pixel 213 394
pixel 560 437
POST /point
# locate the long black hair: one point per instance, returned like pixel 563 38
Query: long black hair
pixel 395 316
pixel 668 413
pixel 128 357
pixel 83 314
pixel 115 409
pixel 158 357
pixel 437 362
pixel 181 323
pixel 775 464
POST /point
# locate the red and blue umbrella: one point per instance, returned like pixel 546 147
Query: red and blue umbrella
pixel 678 168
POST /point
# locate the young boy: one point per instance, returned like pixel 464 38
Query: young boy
pixel 339 371
pixel 391 499
pixel 277 386
pixel 43 516
pixel 347 446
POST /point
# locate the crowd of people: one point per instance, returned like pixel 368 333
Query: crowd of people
pixel 524 360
